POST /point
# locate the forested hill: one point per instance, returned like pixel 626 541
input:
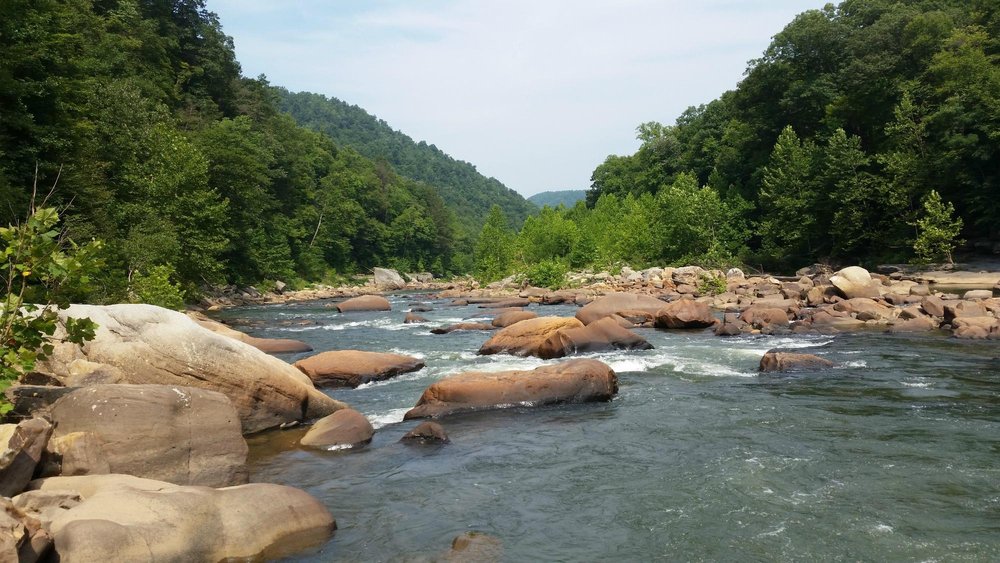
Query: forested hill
pixel 461 186
pixel 844 133
pixel 557 198
pixel 187 170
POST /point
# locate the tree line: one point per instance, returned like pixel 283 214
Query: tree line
pixel 862 126
pixel 187 170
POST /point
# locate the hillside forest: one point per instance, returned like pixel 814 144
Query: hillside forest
pixel 868 131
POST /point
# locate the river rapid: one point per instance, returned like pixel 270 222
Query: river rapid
pixel 894 455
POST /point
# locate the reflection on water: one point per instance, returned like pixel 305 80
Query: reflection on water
pixel 890 456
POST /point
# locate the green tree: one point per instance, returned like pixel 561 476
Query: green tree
pixel 788 200
pixel 937 230
pixel 696 226
pixel 494 247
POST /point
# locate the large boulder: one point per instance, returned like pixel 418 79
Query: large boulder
pixel 687 275
pixel 526 337
pixel 684 313
pixel 573 381
pixel 759 316
pixel 508 318
pixel 183 435
pixel 144 344
pixel 350 368
pixel 787 361
pixel 269 345
pixel 21 453
pixel 598 336
pixel 388 280
pixel 855 281
pixel 125 518
pixel 960 309
pixel 346 428
pixel 626 305
pixel 364 303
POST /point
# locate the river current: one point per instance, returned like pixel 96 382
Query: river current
pixel 894 455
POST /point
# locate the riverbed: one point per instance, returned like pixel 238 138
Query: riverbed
pixel 892 455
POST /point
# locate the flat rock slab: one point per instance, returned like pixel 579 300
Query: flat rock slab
pixel 183 435
pixel 573 381
pixel 461 326
pixel 269 345
pixel 364 303
pixel 125 518
pixel 350 368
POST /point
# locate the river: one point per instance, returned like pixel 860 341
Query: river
pixel 892 455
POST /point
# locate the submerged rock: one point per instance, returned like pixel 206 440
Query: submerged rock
pixel 573 381
pixel 474 547
pixel 461 326
pixel 350 368
pixel 426 432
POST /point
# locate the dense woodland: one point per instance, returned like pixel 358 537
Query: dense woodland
pixel 859 124
pixel 460 185
pixel 863 127
pixel 136 110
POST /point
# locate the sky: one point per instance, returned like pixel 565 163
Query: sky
pixel 535 93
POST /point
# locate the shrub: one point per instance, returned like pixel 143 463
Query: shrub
pixel 40 268
pixel 547 273
pixel 155 288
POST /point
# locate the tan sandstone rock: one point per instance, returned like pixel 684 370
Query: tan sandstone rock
pixel 598 336
pixel 125 518
pixel 364 303
pixel 144 344
pixel 626 305
pixel 350 368
pixel 572 381
pixel 526 337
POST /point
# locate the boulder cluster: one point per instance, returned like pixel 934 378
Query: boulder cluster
pixel 132 446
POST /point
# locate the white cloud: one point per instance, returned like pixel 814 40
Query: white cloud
pixel 534 93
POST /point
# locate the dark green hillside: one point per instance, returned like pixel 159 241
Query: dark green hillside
pixel 557 198
pixel 185 168
pixel 458 182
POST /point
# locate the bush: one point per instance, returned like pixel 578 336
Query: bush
pixel 937 230
pixel 40 269
pixel 548 273
pixel 155 288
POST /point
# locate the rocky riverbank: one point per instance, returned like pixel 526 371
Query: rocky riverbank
pixel 162 401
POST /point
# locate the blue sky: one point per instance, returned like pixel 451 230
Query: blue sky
pixel 534 93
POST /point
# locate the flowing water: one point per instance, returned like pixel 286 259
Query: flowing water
pixel 893 455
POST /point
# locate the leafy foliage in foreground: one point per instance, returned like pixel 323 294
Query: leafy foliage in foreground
pixel 39 272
